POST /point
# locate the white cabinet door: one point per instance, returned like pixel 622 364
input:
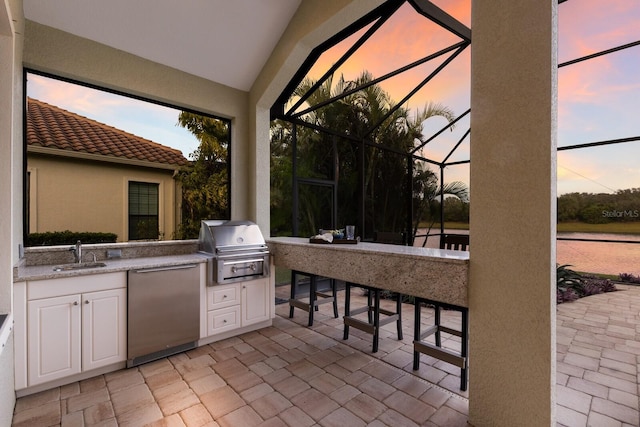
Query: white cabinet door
pixel 104 328
pixel 255 301
pixel 53 338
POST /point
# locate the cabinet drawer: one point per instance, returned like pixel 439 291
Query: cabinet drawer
pixel 222 296
pixel 223 320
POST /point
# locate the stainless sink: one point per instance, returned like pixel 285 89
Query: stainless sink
pixel 79 266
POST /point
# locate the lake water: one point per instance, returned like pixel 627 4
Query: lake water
pixel 597 257
pixel 592 257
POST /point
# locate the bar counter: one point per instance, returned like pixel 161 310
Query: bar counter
pixel 435 274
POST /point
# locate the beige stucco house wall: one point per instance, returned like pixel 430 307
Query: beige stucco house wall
pixel 512 349
pixel 79 172
pixel 55 182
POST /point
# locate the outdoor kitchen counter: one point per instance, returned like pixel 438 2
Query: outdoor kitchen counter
pixel 40 272
pixel 436 274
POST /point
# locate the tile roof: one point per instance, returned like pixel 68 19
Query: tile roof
pixel 52 127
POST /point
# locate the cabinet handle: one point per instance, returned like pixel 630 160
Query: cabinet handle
pixel 86 301
pixel 75 303
pixel 224 296
pixel 175 267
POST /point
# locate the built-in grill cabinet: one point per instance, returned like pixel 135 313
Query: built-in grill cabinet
pixel 236 251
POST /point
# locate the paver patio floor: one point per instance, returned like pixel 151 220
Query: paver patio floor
pixel 292 375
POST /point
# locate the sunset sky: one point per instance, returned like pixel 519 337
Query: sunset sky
pixel 598 99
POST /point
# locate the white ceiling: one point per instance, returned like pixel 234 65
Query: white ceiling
pixel 226 41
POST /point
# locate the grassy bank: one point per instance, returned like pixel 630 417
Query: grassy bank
pixel 448 225
pixel 612 227
pixel 569 227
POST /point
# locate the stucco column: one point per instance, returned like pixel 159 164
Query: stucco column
pixel 513 214
pixel 259 136
pixel 11 26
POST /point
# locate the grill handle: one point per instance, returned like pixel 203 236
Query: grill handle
pixel 228 249
pixel 244 261
pixel 251 267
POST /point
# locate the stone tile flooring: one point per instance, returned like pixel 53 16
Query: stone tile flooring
pixel 291 375
pixel 598 356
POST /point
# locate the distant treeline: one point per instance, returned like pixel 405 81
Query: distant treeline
pixel 623 205
pixel 455 210
pixel 602 208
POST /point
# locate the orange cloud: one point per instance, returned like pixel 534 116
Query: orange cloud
pixel 405 38
pixel 459 9
pixel 589 26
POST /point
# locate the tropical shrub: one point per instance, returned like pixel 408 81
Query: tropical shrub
pixel 572 286
pixel 629 278
pixel 52 238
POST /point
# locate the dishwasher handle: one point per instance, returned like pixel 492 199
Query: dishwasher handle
pixel 174 267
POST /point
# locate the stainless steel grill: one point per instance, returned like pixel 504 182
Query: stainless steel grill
pixel 236 251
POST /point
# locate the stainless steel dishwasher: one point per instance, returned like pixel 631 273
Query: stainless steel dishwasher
pixel 163 312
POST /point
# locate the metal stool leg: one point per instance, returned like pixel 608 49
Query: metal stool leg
pixel 399 311
pixel 292 292
pixel 376 319
pixel 347 308
pixel 335 297
pixel 464 351
pixel 312 298
pixel 416 332
pixel 437 323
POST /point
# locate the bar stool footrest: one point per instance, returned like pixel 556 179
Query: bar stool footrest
pixel 364 325
pixel 326 297
pixel 359 324
pixel 428 332
pixel 450 331
pixel 440 353
pixel 315 299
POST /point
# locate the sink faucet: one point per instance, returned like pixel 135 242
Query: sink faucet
pixel 77 252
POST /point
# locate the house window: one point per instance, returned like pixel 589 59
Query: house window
pixel 143 210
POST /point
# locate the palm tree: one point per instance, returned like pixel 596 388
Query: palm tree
pixel 367 114
pixel 205 181
pixel 425 193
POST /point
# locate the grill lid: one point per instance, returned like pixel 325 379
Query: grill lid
pixel 227 237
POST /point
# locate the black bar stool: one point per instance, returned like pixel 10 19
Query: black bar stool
pixel 459 359
pixel 452 357
pixel 316 297
pixel 373 323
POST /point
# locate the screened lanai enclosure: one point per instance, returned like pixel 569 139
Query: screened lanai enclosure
pixel 355 154
pixel 365 133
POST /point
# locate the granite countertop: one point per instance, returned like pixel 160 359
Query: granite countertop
pixel 23 273
pixel 368 248
pixel 436 274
